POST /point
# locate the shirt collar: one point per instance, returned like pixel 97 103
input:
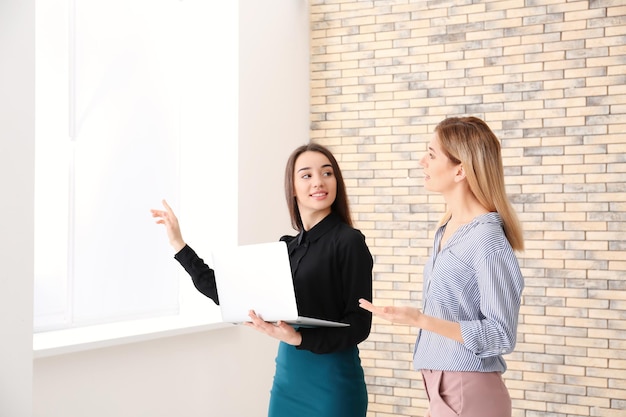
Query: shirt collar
pixel 320 229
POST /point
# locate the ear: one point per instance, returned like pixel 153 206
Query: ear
pixel 460 173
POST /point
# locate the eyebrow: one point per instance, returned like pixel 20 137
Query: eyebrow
pixel 323 166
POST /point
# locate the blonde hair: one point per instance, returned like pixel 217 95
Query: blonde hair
pixel 470 142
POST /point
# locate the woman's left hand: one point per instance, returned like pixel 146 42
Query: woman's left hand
pixel 400 315
pixel 414 317
pixel 281 330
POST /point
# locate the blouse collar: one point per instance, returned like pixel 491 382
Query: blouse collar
pixel 320 229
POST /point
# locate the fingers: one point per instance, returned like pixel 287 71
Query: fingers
pixel 366 305
pixel 363 303
pixel 162 213
pixel 161 216
pixel 283 326
pixel 166 215
pixel 167 206
pixel 385 310
pixel 258 322
pixel 253 316
pixel 277 330
pixel 386 313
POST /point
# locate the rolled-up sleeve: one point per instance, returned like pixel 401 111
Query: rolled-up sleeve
pixel 500 283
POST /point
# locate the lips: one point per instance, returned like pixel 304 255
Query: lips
pixel 319 195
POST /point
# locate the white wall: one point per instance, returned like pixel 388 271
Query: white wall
pixel 269 126
pixel 17 138
pixel 225 372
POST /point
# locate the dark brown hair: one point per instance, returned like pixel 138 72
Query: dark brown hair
pixel 340 206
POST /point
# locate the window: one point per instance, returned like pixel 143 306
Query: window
pixel 136 101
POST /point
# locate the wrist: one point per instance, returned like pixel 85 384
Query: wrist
pixel 178 245
pixel 297 340
pixel 421 320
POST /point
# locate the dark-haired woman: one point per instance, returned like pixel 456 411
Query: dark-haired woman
pixel 318 370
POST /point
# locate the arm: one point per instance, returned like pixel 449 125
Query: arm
pixel 413 317
pixel 355 263
pixel 500 283
pixel 203 277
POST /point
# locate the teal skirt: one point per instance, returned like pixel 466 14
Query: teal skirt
pixel 308 384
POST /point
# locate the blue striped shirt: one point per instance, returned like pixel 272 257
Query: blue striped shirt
pixel 474 280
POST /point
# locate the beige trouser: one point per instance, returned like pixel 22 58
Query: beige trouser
pixel 466 394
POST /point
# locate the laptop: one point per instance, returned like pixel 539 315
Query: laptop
pixel 258 277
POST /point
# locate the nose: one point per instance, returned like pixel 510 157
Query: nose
pixel 422 161
pixel 317 181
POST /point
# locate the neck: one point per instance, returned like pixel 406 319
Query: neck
pixel 309 220
pixel 464 207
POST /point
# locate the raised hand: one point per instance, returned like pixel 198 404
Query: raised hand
pixel 168 218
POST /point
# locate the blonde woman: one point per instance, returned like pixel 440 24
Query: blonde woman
pixel 472 282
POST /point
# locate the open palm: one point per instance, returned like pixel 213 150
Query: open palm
pixel 394 314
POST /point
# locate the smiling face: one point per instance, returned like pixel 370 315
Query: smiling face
pixel 441 174
pixel 315 185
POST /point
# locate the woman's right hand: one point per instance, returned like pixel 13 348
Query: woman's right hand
pixel 168 218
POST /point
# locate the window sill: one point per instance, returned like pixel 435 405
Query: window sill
pixel 59 342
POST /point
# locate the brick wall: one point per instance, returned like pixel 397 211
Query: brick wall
pixel 549 77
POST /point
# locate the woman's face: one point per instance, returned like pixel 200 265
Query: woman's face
pixel 440 172
pixel 315 184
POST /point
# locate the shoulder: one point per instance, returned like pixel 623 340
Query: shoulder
pixel 287 238
pixel 489 235
pixel 351 243
pixel 347 233
pixel 482 239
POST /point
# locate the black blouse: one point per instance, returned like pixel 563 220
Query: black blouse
pixel 331 267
